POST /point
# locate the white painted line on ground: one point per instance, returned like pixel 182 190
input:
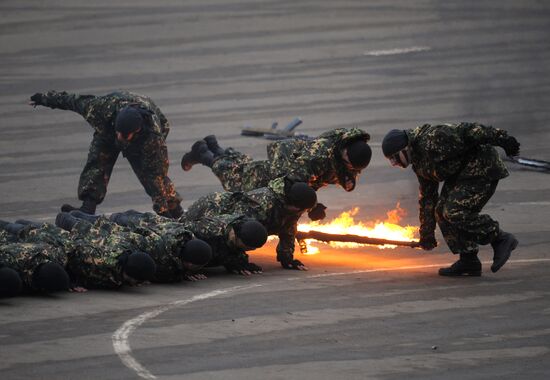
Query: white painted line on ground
pixel 121 336
pixel 414 49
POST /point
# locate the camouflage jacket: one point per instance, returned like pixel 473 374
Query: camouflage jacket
pixel 452 152
pixel 96 250
pixel 24 256
pixel 215 231
pixel 266 204
pixel 6 237
pixel 317 162
pixel 163 240
pixel 92 250
pixel 101 111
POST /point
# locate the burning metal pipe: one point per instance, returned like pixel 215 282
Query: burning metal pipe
pixel 322 236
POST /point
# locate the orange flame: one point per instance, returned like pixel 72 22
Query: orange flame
pixel 346 224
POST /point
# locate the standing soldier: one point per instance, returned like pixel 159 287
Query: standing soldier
pixel 335 157
pixel 123 122
pixel 278 207
pixel 461 156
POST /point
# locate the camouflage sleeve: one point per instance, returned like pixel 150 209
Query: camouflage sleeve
pixel 164 124
pixel 287 237
pixel 65 101
pixel 477 134
pixel 427 200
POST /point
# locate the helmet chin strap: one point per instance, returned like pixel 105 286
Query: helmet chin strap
pixel 404 157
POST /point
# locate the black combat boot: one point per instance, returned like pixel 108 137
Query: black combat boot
pixel 84 216
pixel 213 145
pixel 200 154
pixel 88 206
pixel 65 221
pixel 467 265
pixel 503 245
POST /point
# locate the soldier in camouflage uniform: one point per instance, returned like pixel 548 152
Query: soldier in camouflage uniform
pixel 461 156
pixel 335 157
pixel 38 264
pixel 94 256
pixel 123 122
pixel 230 236
pixel 278 207
pixel 177 253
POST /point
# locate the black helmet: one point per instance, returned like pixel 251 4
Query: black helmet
pixel 252 233
pixel 196 252
pixel 394 141
pixel 51 277
pixel 128 120
pixel 302 196
pixel 140 266
pixel 10 282
pixel 359 154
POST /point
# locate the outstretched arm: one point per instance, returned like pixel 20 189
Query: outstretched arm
pixel 63 100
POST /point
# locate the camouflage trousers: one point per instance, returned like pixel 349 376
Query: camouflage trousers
pixel 99 166
pixel 237 172
pixel 458 214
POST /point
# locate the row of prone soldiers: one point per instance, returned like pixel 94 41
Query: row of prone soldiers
pixel 95 251
pixel 265 197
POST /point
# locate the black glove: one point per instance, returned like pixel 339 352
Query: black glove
pixel 292 264
pixel 37 99
pixel 511 146
pixel 251 267
pixel 428 242
pixel 317 212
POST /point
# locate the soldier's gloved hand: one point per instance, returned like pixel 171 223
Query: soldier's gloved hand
pixel 317 212
pixel 237 266
pixel 36 100
pixel 253 268
pixel 293 264
pixel 427 242
pixel 510 146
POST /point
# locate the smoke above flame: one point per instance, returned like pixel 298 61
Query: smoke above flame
pixel 345 223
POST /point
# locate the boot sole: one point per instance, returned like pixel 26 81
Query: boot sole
pixel 465 274
pixel 495 268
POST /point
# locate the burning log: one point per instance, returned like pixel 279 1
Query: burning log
pixel 322 236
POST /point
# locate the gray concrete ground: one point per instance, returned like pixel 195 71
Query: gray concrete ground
pixel 214 66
